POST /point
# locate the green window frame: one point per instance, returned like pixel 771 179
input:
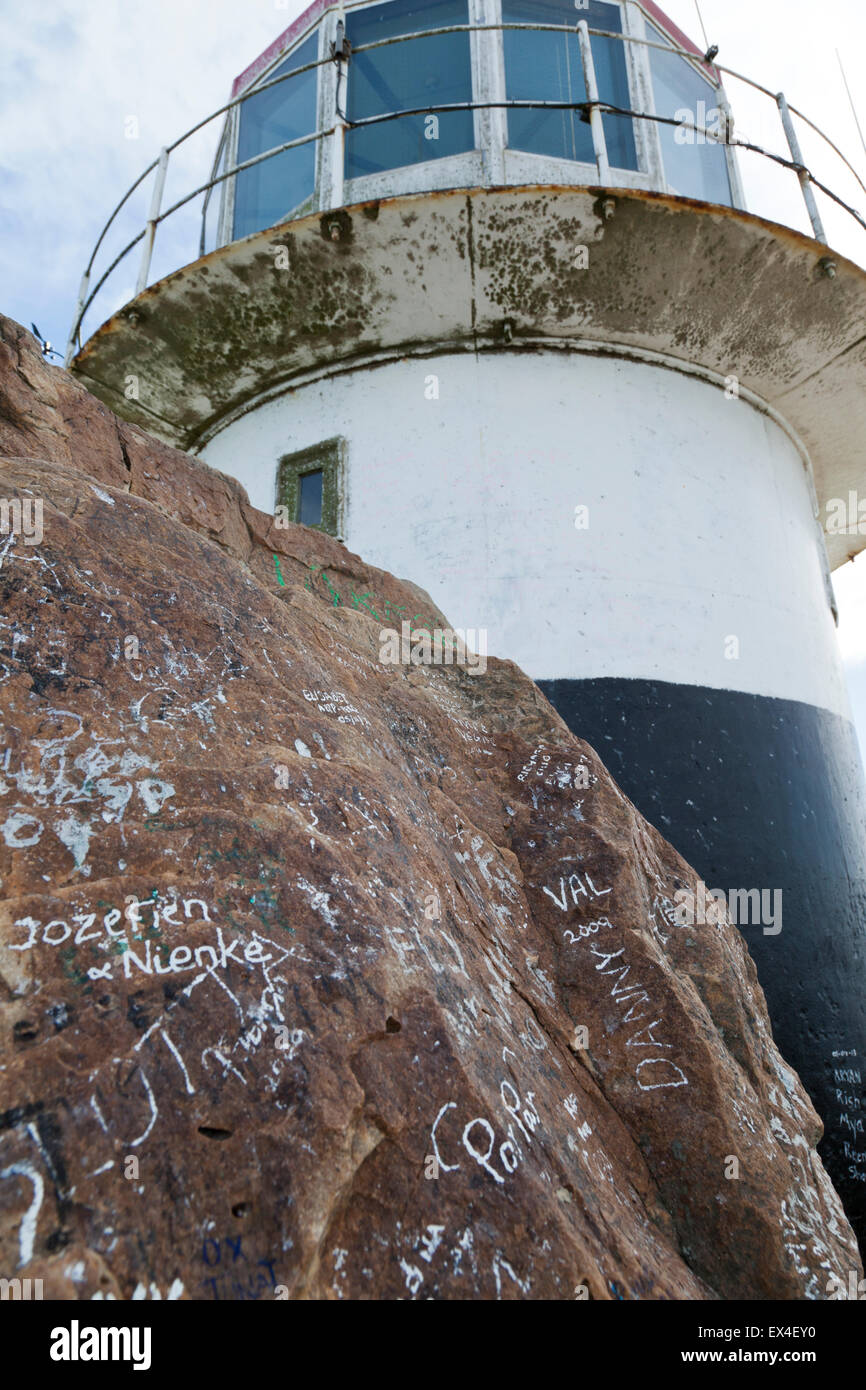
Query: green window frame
pixel 327 458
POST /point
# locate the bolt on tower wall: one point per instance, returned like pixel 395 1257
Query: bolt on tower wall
pixel 486 303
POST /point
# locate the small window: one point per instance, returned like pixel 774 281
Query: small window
pixel 310 498
pixel 310 486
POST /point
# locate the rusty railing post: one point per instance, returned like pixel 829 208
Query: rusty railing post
pixel 802 172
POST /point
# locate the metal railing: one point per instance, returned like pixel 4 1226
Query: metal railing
pixel 593 109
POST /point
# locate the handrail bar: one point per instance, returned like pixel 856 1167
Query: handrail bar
pixel 150 168
pixel 229 173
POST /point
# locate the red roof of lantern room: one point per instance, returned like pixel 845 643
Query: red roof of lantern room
pixel 279 45
pixel 672 30
pixel 319 7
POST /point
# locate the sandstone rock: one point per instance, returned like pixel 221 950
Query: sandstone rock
pixel 323 978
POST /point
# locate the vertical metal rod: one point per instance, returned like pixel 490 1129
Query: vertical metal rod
pixel 599 143
pixel 202 245
pixel 703 27
pixel 736 182
pixel 338 161
pixel 851 99
pixel 802 172
pixel 227 210
pixel 76 322
pixel 338 139
pixel 150 233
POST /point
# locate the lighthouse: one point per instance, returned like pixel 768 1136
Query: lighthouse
pixel 478 292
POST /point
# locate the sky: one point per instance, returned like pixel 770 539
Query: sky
pixel 91 89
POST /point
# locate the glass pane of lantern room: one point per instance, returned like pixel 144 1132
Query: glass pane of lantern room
pixel 695 165
pixel 547 67
pixel 269 191
pixel 419 73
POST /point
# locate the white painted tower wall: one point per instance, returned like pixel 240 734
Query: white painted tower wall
pixel 701 521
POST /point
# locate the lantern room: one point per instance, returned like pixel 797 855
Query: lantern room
pixel 405 96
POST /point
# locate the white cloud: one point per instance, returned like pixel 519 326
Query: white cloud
pixel 70 75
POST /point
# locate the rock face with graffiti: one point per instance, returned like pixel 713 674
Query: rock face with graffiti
pixel 303 1003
